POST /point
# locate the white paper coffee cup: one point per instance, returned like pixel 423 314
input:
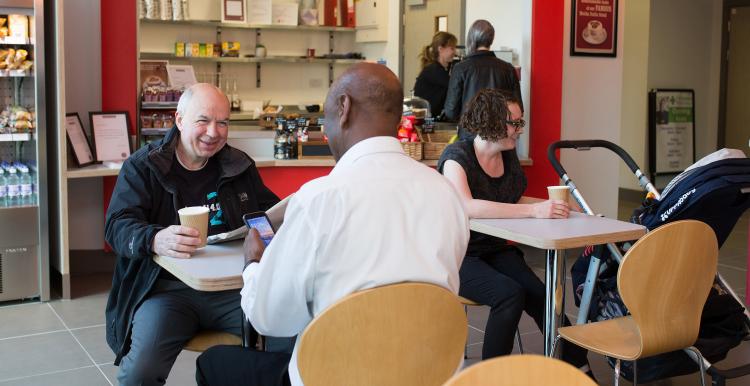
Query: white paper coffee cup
pixel 561 193
pixel 195 217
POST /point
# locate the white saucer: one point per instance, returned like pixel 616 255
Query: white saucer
pixel 594 39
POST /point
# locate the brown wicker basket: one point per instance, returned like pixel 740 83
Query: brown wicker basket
pixel 413 149
pixel 435 143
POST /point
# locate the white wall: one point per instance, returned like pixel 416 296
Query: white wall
pixel 685 45
pixel 634 123
pixel 82 39
pixel 591 109
pixel 389 49
pixel 512 22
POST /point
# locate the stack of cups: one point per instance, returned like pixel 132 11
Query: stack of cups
pixel 195 217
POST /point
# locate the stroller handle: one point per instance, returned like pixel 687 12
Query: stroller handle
pixel 586 145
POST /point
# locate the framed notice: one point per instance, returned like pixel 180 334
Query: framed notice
pixel 111 133
pixel 233 11
pixel 671 121
pixel 181 76
pixel 593 28
pixel 78 140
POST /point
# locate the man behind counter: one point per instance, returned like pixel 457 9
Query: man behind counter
pixel 150 314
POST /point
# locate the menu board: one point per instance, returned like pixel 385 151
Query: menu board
pixel 671 130
pixel 593 28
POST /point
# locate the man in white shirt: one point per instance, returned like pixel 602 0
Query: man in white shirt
pixel 379 218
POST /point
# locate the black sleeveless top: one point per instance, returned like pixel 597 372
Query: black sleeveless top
pixel 507 188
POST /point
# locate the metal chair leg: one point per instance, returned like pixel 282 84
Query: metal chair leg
pixel 701 362
pixel 554 345
pixel 518 339
pixel 635 372
pixel 617 372
pixel 466 345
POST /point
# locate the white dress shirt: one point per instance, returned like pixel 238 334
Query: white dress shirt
pixel 378 218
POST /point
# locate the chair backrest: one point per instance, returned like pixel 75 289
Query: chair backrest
pixel 521 370
pixel 664 281
pixel 399 334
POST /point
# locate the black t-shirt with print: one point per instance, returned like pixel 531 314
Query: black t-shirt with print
pixel 199 188
pixel 507 188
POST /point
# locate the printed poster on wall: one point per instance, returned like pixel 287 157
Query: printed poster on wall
pixel 672 130
pixel 593 28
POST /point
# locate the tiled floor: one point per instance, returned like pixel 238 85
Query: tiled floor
pixel 62 342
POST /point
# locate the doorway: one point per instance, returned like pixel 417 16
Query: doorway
pixel 734 132
pixel 421 21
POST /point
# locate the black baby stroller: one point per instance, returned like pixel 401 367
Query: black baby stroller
pixel 713 192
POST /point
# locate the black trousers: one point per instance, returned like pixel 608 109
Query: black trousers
pixel 235 365
pixel 503 281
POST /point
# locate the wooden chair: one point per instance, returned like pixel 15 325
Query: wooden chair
pixel 205 339
pixel 521 370
pixel 664 281
pixel 466 303
pixel 399 334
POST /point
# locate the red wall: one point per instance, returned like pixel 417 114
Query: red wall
pixel 547 18
pixel 119 66
pixel 119 91
pixel 286 180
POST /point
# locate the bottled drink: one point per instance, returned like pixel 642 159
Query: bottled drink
pixel 24 180
pixel 235 97
pixel 3 190
pixel 13 186
pixel 34 186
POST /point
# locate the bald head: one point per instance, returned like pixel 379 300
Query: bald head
pixel 199 89
pixel 365 101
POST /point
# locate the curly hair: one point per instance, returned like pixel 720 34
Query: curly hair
pixel 487 114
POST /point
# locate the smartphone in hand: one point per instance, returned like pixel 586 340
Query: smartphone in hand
pixel 260 222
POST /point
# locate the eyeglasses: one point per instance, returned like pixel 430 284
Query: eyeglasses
pixel 518 123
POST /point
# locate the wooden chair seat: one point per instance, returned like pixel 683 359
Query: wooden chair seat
pixel 617 338
pixel 521 370
pixel 205 339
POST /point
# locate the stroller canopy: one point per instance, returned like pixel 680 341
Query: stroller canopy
pixel 712 193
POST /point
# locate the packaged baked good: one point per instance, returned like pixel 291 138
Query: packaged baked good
pixel 3 54
pixel 23 115
pixel 3 32
pixel 20 57
pixel 18 27
pixel 22 125
pixel 9 60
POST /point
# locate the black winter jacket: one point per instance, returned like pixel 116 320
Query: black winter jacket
pixel 145 201
pixel 477 71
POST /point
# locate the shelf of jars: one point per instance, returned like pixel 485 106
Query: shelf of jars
pixel 218 24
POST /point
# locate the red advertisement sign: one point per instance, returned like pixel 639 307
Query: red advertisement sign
pixel 593 28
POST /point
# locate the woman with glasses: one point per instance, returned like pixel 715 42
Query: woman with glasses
pixel 489 179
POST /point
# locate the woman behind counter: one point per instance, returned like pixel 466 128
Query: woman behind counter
pixel 489 179
pixel 432 82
